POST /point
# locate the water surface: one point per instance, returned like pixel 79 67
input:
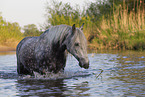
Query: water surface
pixel 111 74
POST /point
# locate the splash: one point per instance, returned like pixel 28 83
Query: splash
pixel 50 75
pixel 59 75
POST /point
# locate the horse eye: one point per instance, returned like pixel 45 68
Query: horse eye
pixel 76 44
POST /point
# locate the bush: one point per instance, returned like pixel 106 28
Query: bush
pixel 10 33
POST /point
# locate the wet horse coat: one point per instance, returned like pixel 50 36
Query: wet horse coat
pixel 48 51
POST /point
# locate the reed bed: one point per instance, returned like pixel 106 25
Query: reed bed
pixel 123 30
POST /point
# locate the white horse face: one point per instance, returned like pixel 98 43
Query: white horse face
pixel 77 46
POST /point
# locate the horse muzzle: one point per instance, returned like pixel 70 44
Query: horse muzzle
pixel 84 63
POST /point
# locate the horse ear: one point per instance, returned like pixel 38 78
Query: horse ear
pixel 82 26
pixel 73 28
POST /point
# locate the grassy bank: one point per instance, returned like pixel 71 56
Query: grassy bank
pixel 6 48
pixel 124 30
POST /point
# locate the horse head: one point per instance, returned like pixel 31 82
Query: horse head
pixel 76 44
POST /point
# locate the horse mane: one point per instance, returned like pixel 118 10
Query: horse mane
pixel 59 32
pixel 56 33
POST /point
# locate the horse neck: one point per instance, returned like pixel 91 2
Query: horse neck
pixel 54 37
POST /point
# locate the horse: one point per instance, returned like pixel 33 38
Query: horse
pixel 48 52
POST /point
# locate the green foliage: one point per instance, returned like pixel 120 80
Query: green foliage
pixel 106 8
pixel 10 33
pixel 124 29
pixel 109 24
pixel 31 30
pixel 59 13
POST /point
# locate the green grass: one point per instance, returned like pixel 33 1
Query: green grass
pixel 123 30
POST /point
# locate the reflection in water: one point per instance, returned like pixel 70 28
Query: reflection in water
pixel 44 88
pixel 7 53
pixel 130 71
pixel 78 89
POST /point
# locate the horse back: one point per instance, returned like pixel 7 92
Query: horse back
pixel 21 43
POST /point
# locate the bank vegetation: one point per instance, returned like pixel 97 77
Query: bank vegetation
pixel 109 24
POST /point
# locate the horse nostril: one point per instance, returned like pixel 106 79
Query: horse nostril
pixel 86 66
pixel 84 63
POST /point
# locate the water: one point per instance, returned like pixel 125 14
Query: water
pixel 111 74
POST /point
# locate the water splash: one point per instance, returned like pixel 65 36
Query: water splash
pixel 59 75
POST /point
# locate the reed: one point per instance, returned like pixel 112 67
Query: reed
pixel 123 30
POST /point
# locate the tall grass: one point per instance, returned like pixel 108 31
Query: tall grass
pixel 123 30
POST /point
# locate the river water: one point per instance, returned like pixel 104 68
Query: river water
pixel 111 74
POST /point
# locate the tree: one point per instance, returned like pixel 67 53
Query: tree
pixel 63 13
pixel 31 30
pixel 10 33
pixel 106 8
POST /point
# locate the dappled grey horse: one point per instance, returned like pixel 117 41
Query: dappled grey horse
pixel 47 53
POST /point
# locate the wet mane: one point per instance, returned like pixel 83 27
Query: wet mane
pixel 56 33
pixel 59 32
